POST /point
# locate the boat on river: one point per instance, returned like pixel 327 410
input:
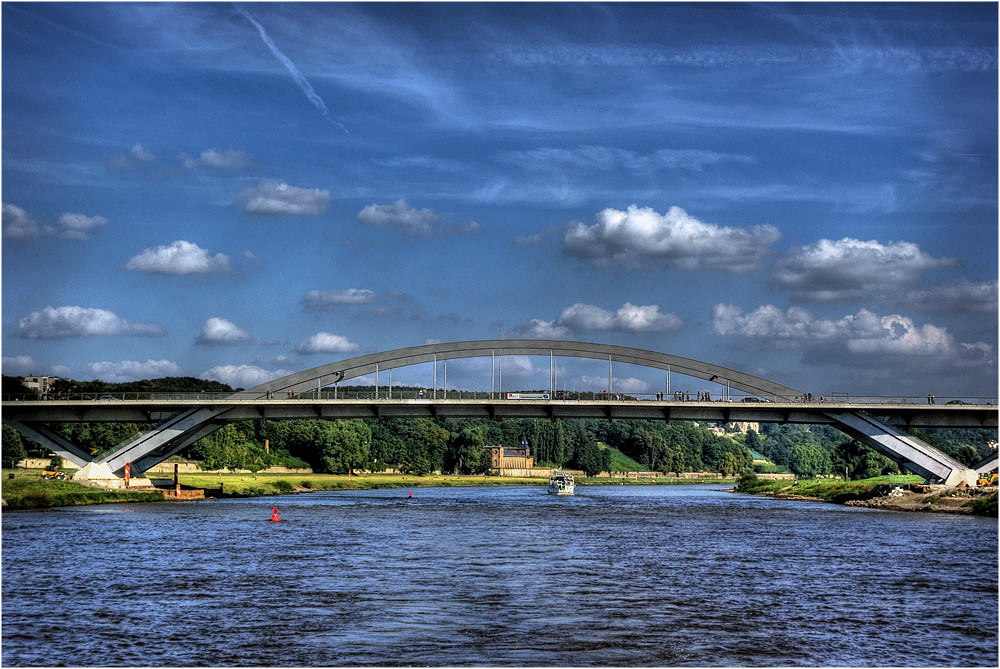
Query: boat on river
pixel 561 483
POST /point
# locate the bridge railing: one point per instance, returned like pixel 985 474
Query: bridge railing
pixel 384 393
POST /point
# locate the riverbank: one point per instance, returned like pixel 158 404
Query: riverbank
pixel 890 493
pixel 27 490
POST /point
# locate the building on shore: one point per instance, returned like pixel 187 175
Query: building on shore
pixel 503 458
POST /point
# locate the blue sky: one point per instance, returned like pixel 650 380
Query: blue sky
pixel 806 192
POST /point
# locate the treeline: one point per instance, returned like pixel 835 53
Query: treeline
pixel 410 445
pixel 814 450
pixel 424 445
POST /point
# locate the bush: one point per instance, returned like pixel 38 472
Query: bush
pixel 307 484
pixel 984 506
pixel 284 486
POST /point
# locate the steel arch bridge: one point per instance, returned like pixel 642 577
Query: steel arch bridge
pixel 185 422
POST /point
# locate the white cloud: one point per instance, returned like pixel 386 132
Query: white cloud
pixel 463 228
pixel 19 224
pixel 608 158
pixel 229 159
pixel 589 318
pixel 537 328
pixel 179 258
pixel 961 296
pixel 629 318
pixel 79 226
pixel 641 237
pixel 319 300
pixel 22 365
pixel 220 331
pixel 74 321
pixel 324 342
pixel 137 152
pixel 399 215
pixel 277 197
pixel 851 268
pixel 627 384
pixel 242 376
pixel 133 370
pixel 863 332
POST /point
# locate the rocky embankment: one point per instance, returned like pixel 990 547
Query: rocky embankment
pixel 879 494
pixel 934 499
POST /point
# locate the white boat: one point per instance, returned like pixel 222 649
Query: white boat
pixel 561 483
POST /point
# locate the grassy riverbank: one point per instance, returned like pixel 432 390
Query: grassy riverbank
pixel 873 493
pixel 31 491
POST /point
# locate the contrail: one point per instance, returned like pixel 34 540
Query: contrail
pixel 300 79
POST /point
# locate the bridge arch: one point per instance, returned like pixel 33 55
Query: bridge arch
pixel 336 372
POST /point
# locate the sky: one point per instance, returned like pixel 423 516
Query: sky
pixel 804 192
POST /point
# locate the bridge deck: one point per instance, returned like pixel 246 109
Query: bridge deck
pixel 152 411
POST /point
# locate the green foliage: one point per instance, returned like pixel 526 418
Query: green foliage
pixel 14 385
pixel 343 445
pixel 985 505
pixel 12 448
pixel 56 462
pixel 764 468
pixel 467 452
pixel 809 460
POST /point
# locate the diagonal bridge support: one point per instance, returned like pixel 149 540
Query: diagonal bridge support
pixel 916 455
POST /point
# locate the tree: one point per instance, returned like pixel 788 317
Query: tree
pixel 809 460
pixel 12 449
pixel 343 444
pixel 467 451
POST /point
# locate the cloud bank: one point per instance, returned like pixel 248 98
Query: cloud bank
pixel 75 321
pixel 400 216
pixel 324 342
pixel 849 268
pixel 325 300
pixel 589 318
pixel 641 237
pixel 861 333
pixel 277 197
pixel 133 370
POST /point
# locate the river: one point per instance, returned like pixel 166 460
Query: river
pixel 616 575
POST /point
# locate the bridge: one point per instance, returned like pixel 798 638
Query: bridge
pixel 179 421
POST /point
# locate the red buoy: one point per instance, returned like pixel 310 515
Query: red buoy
pixel 411 493
pixel 274 514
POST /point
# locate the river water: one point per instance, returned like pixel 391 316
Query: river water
pixel 616 575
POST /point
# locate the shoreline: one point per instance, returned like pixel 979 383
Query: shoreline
pixel 884 494
pixel 27 490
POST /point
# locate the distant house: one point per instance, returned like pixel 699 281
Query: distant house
pixel 40 384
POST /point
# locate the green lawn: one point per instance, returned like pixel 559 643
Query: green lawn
pixel 28 490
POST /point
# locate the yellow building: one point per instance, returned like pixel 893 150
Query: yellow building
pixel 502 457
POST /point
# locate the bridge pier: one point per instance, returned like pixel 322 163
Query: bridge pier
pixel 54 442
pixel 917 456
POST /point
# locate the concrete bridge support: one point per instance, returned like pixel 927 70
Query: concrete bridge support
pixel 912 453
pixel 54 442
pixel 987 464
pixel 162 439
